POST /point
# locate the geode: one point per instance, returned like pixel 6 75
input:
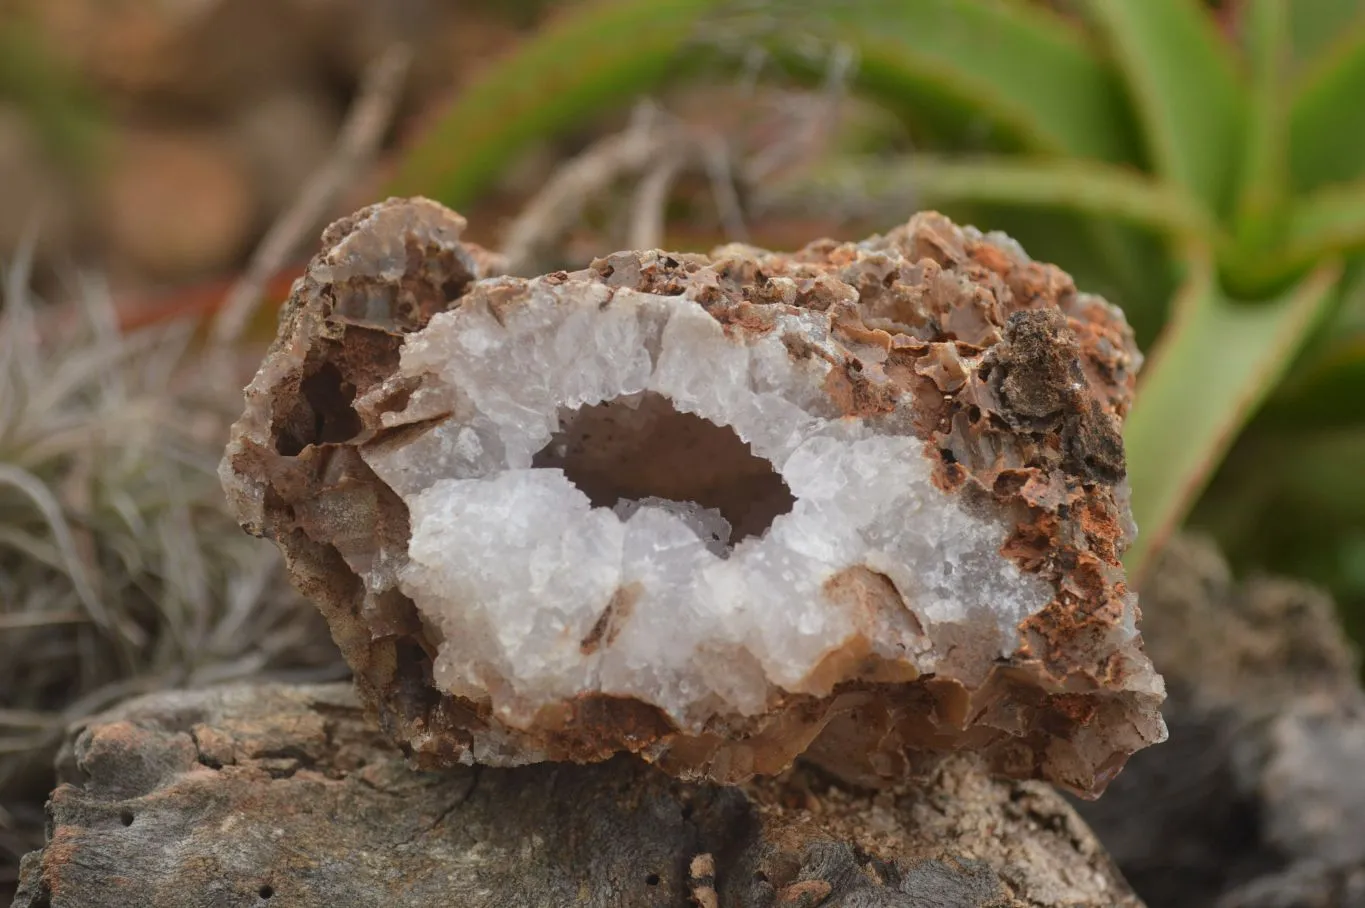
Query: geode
pixel 863 502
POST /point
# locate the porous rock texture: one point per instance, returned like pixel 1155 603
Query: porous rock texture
pixel 278 795
pixel 863 501
pixel 1258 798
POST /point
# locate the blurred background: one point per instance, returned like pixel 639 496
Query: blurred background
pixel 166 167
pixel 156 141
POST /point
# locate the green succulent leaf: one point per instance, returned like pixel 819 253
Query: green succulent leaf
pixel 1262 185
pixel 1183 79
pixel 1326 222
pixel 1026 74
pixel 1327 385
pixel 1020 69
pixel 595 57
pixel 1315 24
pixel 1211 370
pixel 1108 191
pixel 1327 119
pixel 1294 503
pixel 1330 390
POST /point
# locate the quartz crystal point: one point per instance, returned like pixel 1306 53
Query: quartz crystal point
pixel 863 502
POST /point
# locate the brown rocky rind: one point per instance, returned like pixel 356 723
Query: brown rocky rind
pixel 1257 800
pixel 1018 383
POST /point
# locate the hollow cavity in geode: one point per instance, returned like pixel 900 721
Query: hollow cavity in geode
pixel 864 501
pixel 638 451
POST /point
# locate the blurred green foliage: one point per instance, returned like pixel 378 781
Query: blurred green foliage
pixel 48 92
pixel 1200 164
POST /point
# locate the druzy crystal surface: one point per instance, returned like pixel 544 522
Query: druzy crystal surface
pixel 863 502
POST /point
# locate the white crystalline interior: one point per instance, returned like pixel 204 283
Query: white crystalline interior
pixel 516 567
pixel 707 523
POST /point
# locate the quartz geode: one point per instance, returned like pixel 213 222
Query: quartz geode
pixel 863 501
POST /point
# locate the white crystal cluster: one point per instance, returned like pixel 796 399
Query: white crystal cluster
pixel 514 568
pixel 709 524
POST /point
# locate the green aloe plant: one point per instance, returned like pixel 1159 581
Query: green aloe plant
pixel 1204 170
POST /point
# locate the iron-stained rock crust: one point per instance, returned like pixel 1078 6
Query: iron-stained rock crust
pixel 1019 384
pixel 1258 799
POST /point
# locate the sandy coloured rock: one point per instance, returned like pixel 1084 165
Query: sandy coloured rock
pixel 863 501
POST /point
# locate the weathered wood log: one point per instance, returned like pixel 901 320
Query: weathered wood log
pixel 277 795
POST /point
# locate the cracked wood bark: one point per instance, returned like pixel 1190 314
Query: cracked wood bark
pixel 289 796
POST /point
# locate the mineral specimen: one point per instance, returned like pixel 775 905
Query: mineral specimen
pixel 864 501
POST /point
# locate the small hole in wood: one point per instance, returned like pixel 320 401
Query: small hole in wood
pixel 652 879
pixel 267 891
pixel 126 817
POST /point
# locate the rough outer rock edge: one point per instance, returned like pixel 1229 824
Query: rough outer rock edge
pixel 276 794
pixel 1257 800
pixel 1022 383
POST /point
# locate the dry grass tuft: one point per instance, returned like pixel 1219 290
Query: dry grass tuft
pixel 120 569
